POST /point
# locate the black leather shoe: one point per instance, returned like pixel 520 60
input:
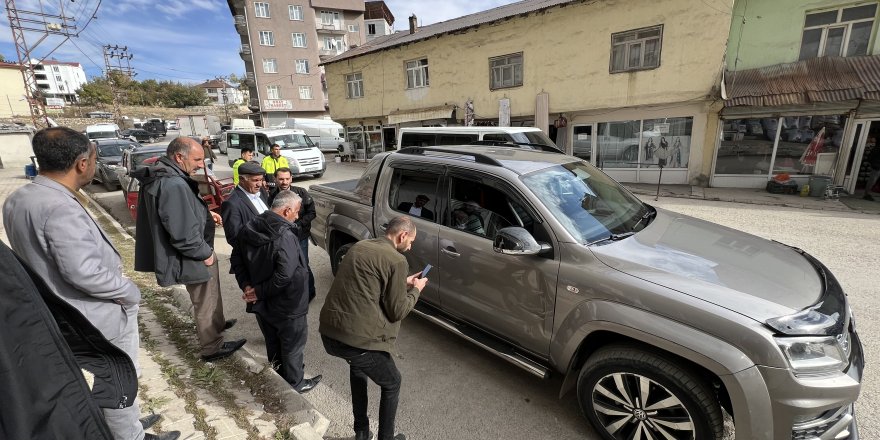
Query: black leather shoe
pixel 229 324
pixel 363 435
pixel 399 437
pixel 307 384
pixel 150 420
pixel 225 350
pixel 170 435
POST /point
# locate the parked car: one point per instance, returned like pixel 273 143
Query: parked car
pixel 109 158
pixel 133 159
pixel 657 320
pixel 138 135
pixel 156 127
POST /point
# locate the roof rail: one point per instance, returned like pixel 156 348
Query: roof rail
pixel 478 157
pixel 514 144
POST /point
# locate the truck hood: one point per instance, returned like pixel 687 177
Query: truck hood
pixel 741 272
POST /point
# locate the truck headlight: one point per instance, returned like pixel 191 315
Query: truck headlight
pixel 809 355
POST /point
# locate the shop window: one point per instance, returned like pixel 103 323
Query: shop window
pixel 618 144
pixel 582 146
pixel 809 144
pixel 839 32
pixel 414 193
pixel 666 142
pixel 746 146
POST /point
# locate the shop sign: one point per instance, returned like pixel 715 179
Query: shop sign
pixel 277 104
pixel 55 102
pixel 662 128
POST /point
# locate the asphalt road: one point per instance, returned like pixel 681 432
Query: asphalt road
pixel 453 390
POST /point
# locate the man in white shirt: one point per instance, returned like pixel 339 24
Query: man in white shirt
pixel 245 202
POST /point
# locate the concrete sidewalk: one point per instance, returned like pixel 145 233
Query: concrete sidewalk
pixel 236 398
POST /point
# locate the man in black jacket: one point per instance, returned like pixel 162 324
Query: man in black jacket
pixel 245 202
pixel 175 239
pixel 283 181
pixel 272 273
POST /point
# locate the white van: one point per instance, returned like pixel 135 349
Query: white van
pixel 104 130
pixel 431 136
pixel 302 154
pixel 328 135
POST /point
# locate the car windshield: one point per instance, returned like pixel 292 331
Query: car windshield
pixel 110 150
pixel 292 141
pixel 137 159
pixel 590 205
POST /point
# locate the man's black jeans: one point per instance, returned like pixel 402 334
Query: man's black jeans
pixel 285 341
pixel 379 367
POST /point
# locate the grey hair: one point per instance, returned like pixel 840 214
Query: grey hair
pixel 285 198
pixel 182 145
pixel 400 224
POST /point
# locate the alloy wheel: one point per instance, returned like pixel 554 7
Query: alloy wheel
pixel 632 406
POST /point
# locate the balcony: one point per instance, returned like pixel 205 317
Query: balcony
pixel 250 79
pixel 335 28
pixel 254 105
pixel 325 54
pixel 241 24
pixel 245 51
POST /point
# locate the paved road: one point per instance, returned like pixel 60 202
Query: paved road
pixel 452 390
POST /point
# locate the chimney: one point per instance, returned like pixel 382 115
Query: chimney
pixel 413 24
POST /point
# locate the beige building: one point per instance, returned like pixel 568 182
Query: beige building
pixel 282 46
pixel 12 92
pixel 627 86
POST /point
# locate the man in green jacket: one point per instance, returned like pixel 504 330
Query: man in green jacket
pixel 247 154
pixel 361 317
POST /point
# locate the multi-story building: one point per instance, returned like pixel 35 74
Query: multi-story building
pixel 13 97
pixel 802 94
pixel 378 19
pixel 221 93
pixel 629 86
pixel 59 79
pixel 283 44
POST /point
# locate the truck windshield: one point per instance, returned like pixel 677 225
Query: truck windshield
pixel 589 204
pixel 292 141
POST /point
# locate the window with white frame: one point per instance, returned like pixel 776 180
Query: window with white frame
pixel 261 10
pixel 210 91
pixel 329 17
pixel 334 43
pixel 57 78
pixel 302 66
pixel 305 92
pixel 55 69
pixel 267 38
pixel 270 65
pixel 354 85
pixel 295 12
pixel 506 71
pixel 417 73
pixel 637 49
pixel 299 39
pixel 273 92
pixel 354 28
pixel 843 32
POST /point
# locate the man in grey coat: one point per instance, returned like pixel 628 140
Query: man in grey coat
pixel 50 229
pixel 175 239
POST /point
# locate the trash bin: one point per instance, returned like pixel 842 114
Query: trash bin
pixel 818 185
pixel 30 171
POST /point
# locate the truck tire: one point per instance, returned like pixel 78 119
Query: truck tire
pixel 629 393
pixel 338 256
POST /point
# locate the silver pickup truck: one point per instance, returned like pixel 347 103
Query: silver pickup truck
pixel 659 321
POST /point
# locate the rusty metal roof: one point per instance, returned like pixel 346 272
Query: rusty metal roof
pixel 454 25
pixel 825 79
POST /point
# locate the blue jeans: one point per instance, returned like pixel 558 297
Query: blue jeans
pixel 304 245
pixel 379 367
pixel 285 341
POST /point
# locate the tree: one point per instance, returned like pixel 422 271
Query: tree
pixel 178 95
pixel 96 92
pixel 2 58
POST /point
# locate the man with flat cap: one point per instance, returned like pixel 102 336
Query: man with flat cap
pixel 417 209
pixel 245 202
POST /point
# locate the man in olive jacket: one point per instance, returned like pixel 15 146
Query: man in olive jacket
pixel 372 282
pixel 175 239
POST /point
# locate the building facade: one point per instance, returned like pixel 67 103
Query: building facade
pixel 378 19
pixel 13 101
pixel 802 94
pixel 59 79
pixel 282 46
pixel 627 89
pixel 222 93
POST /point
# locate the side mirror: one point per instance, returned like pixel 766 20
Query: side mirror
pixel 515 240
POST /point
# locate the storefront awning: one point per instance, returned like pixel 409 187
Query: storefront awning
pixel 422 114
pixel 811 81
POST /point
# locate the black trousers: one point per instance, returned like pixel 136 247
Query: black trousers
pixel 379 367
pixel 285 341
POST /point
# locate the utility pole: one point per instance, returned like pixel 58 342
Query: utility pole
pixel 42 24
pixel 225 102
pixel 121 55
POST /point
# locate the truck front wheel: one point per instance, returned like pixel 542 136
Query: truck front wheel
pixel 339 255
pixel 629 393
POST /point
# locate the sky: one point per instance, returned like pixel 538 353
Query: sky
pixel 188 41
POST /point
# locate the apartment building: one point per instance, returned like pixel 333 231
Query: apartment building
pixel 59 79
pixel 283 44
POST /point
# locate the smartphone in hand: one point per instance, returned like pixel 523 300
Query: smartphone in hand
pixel 425 271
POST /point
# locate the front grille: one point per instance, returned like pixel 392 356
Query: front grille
pixel 813 432
pixel 820 426
pixel 309 162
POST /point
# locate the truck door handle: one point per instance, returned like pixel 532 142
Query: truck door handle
pixel 451 252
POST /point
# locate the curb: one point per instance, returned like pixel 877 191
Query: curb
pixel 310 424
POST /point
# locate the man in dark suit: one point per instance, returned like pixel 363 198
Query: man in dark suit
pixel 245 202
pixel 417 209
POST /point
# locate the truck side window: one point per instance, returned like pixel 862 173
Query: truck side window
pixel 263 144
pixel 457 139
pixel 478 209
pixel 414 193
pixel 417 140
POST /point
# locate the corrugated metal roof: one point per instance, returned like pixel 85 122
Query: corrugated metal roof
pixel 456 24
pixel 825 79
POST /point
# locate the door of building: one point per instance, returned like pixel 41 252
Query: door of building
pixel 864 138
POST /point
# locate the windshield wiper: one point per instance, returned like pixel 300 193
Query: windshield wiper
pixel 612 237
pixel 646 216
